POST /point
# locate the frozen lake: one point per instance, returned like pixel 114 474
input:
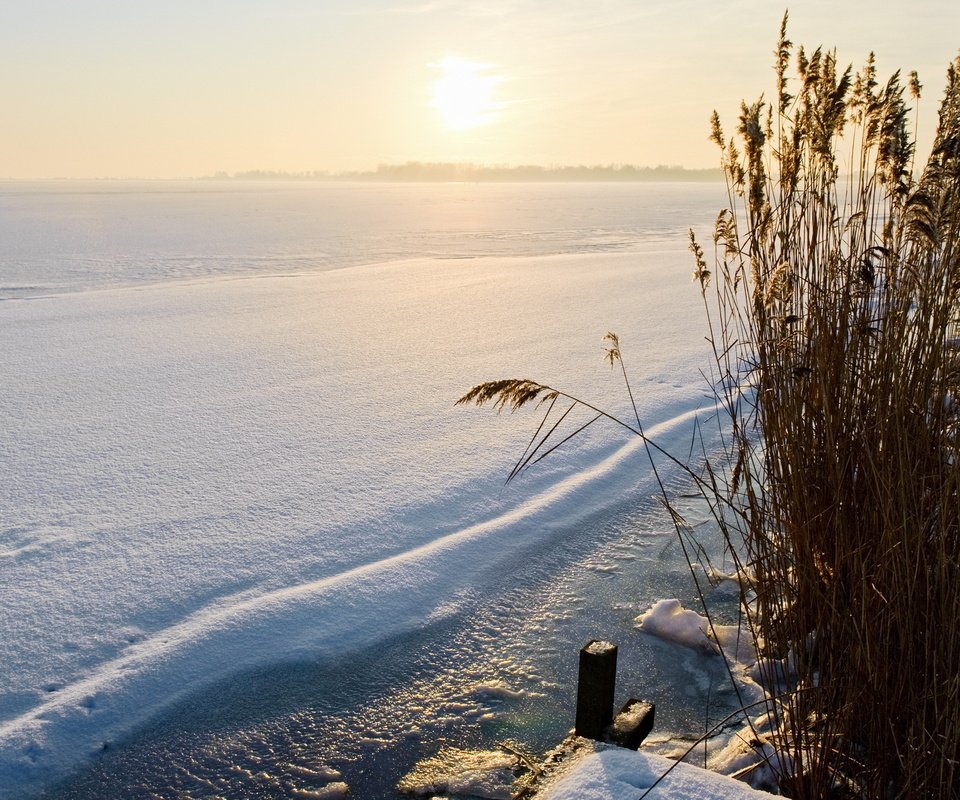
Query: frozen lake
pixel 247 542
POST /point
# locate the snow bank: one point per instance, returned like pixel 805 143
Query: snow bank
pixel 618 774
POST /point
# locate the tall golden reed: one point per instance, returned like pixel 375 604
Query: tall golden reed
pixel 833 315
pixel 832 309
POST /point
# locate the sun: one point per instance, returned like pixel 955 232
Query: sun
pixel 465 94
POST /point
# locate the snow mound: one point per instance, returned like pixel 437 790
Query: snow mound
pixel 618 774
pixel 669 620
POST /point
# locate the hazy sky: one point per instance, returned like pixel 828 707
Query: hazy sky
pixel 124 88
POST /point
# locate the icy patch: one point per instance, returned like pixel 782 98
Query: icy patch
pixel 748 753
pixel 775 674
pixel 735 642
pixel 753 760
pixel 467 773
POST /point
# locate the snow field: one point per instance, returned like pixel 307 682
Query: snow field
pixel 207 476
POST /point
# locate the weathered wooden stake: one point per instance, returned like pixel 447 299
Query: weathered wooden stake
pixel 595 688
pixel 633 724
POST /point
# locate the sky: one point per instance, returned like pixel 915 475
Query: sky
pixel 186 88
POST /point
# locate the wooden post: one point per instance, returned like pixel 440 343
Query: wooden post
pixel 634 722
pixel 595 689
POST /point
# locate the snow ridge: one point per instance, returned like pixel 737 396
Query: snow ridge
pixel 311 619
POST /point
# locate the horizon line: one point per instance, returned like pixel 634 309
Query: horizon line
pixel 427 171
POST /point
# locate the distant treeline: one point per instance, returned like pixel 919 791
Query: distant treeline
pixel 414 171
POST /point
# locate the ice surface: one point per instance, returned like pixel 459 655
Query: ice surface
pixel 60 236
pixel 200 477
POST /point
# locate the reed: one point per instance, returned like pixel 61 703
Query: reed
pixel 832 309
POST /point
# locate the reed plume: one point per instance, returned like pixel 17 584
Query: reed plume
pixel 832 310
pixel 833 322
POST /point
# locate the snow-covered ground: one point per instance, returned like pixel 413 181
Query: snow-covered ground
pixel 617 774
pixel 579 769
pixel 203 476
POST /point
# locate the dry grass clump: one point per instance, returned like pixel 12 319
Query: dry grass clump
pixel 833 308
pixel 833 313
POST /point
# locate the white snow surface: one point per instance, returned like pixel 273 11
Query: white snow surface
pixel 207 476
pixel 669 620
pixel 618 774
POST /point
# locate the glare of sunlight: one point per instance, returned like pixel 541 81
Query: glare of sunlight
pixel 464 94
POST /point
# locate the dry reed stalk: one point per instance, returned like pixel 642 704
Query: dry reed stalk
pixel 832 317
pixel 832 309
